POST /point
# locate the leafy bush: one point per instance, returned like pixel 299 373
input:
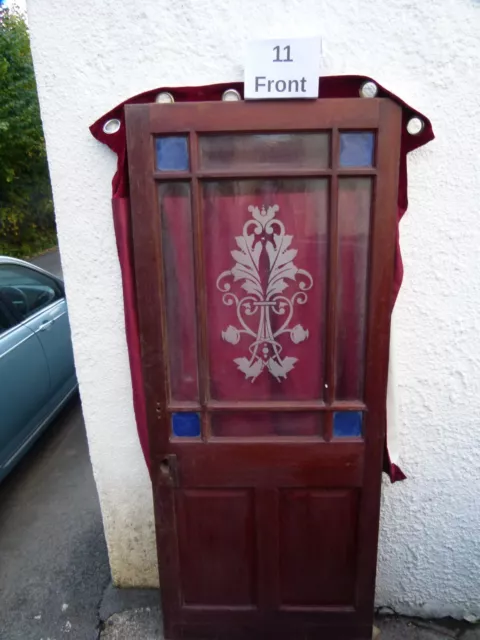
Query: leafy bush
pixel 27 222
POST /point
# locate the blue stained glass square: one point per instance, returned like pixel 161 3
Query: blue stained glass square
pixel 347 424
pixel 172 153
pixel 186 425
pixel 356 149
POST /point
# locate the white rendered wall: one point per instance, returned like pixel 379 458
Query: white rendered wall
pixel 92 54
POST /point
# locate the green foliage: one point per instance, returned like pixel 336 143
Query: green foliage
pixel 27 221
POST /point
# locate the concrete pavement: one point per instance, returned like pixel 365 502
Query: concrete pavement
pixel 53 557
pixel 145 623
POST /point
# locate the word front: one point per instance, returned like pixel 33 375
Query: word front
pixel 279 86
pixel 285 68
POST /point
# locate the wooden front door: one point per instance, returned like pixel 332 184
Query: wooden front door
pixel 264 238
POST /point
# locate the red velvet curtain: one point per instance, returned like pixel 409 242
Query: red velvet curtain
pixel 312 255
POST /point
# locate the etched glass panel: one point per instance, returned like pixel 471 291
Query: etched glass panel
pixel 252 424
pixel 265 263
pixel 179 275
pixel 246 152
pixel 354 199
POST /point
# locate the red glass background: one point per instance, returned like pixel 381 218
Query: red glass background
pixel 302 208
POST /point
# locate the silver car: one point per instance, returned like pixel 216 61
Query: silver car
pixel 37 372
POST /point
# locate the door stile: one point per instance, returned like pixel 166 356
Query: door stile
pixel 149 277
pixel 381 272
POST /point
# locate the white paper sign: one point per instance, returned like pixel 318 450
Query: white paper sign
pixel 282 68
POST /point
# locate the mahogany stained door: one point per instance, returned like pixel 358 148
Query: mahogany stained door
pixel 264 237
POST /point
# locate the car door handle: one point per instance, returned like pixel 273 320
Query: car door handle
pixel 45 326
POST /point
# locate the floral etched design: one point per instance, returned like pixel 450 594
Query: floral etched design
pixel 264 242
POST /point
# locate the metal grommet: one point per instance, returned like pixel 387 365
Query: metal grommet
pixel 164 97
pixel 231 95
pixel 415 126
pixel 368 89
pixel 111 126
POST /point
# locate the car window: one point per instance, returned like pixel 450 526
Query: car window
pixel 26 291
pixel 5 319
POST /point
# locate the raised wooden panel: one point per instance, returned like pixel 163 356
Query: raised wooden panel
pixel 317 547
pixel 288 463
pixel 217 547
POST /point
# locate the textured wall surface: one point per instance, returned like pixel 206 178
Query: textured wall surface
pixel 92 54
